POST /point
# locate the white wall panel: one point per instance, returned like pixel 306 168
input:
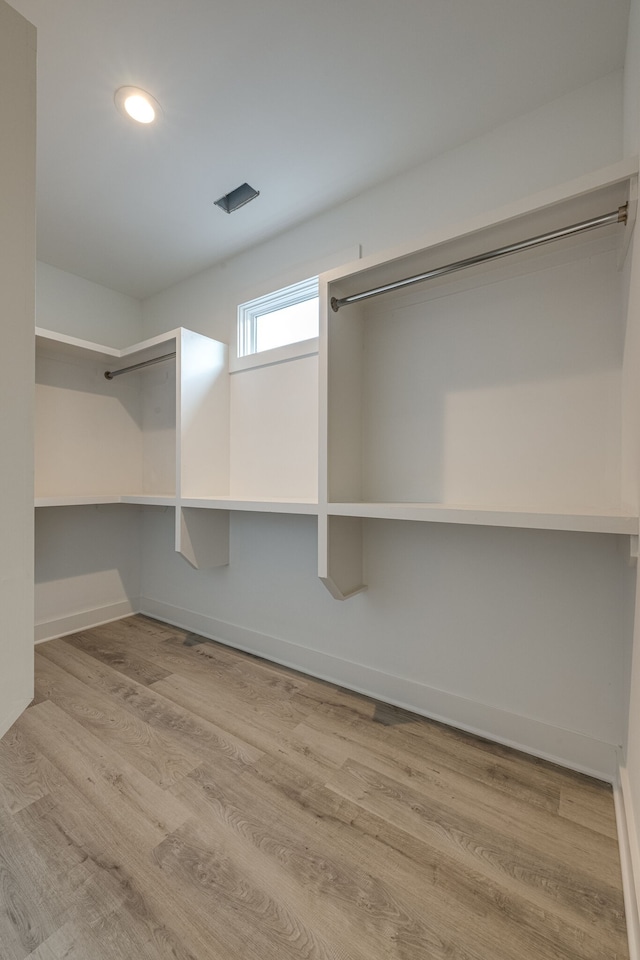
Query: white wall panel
pixel 81 308
pixel 17 267
pixel 87 566
pixel 274 431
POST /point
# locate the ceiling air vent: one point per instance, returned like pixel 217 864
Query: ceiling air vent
pixel 237 198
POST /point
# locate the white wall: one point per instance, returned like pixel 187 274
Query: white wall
pixel 17 264
pixel 88 558
pixel 87 567
pixel 476 626
pixel 81 308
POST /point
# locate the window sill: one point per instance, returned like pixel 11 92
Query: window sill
pixel 267 358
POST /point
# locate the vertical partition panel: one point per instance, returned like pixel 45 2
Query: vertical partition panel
pixel 203 398
pixel 17 269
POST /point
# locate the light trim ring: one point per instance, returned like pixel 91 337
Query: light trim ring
pixel 136 104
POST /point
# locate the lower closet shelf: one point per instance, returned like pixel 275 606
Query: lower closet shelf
pixel 308 507
pixel 580 521
pixel 80 500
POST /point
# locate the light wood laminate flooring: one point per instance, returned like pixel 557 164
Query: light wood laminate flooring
pixel 168 797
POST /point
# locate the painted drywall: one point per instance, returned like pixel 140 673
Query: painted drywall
pixel 631 84
pixel 80 308
pixel 87 558
pixel 274 431
pixel 17 266
pixel 87 566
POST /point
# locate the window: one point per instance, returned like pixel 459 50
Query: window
pixel 286 316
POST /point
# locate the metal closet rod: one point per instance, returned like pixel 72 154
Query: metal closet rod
pixel 618 216
pixel 110 374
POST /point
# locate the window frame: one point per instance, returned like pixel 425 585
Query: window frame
pixel 247 317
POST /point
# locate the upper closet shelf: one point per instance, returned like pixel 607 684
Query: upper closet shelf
pixel 53 344
pixel 591 195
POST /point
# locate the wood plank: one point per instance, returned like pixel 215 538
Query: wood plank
pixel 113 786
pixel 215 874
pixel 29 911
pixel 21 778
pixel 252 724
pixel 188 728
pixel 586 804
pixel 491 807
pixel 158 756
pixel 396 732
pixel 193 657
pixel 387 906
pixel 502 853
pixel 441 871
pixel 161 914
pixel 120 659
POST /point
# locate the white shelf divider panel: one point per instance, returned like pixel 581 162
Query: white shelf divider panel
pixel 203 416
pixel 202 537
pixel 340 562
pixel 202 447
pixel 490 397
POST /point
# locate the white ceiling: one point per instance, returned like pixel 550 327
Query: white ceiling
pixel 310 102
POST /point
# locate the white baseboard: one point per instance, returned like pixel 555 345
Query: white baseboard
pixel 50 629
pixel 629 860
pixel 574 750
pixel 12 712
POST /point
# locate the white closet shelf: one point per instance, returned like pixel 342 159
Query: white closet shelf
pixel 51 343
pixel 77 500
pixel 150 499
pixel 579 521
pixel 309 507
pixel 588 196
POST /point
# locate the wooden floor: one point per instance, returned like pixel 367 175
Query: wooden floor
pixel 166 797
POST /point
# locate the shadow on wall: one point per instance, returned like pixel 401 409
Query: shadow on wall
pixel 87 557
pixel 457 375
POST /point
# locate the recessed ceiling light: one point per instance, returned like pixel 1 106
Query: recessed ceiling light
pixel 137 104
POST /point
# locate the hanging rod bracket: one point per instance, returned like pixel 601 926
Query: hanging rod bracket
pixel 617 216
